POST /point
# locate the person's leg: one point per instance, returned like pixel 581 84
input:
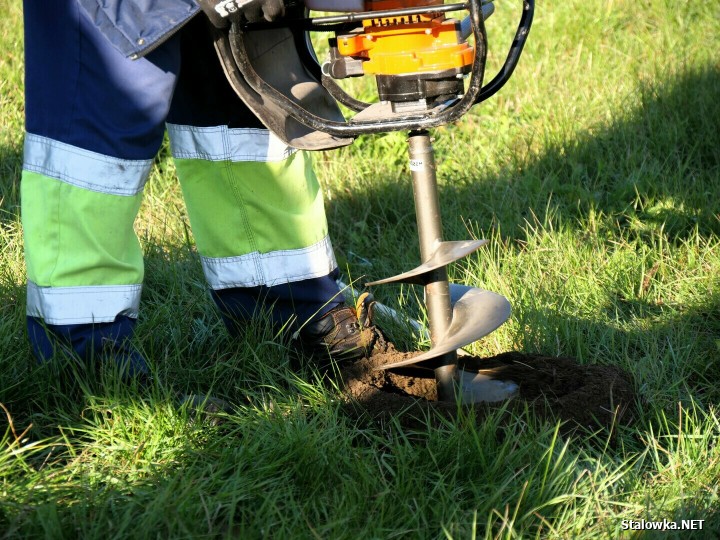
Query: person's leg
pixel 255 205
pixel 260 229
pixel 94 122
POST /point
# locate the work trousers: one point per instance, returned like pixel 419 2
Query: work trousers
pixel 95 121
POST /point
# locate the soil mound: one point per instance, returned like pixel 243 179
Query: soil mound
pixel 555 387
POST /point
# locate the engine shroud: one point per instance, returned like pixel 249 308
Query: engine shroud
pixel 415 58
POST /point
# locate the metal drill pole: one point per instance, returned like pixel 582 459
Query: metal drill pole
pixel 429 224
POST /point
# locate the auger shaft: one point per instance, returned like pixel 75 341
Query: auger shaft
pixel 429 224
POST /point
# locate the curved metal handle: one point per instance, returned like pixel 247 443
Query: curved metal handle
pixel 513 56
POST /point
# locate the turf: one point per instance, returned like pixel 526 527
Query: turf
pixel 595 174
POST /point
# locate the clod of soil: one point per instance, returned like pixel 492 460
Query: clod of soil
pixel 554 387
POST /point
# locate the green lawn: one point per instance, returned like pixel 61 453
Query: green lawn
pixel 595 173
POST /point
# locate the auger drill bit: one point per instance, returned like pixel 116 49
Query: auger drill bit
pixel 452 325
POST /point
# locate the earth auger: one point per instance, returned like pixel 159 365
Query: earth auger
pixel 428 74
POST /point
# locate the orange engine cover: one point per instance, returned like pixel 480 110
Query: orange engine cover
pixel 407 45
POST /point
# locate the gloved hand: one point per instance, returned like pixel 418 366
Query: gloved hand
pixel 248 10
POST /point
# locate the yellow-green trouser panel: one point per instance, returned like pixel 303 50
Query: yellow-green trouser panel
pixel 255 207
pixel 84 262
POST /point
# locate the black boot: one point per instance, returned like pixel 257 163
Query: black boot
pixel 343 334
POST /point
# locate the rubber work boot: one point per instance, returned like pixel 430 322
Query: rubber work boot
pixel 342 335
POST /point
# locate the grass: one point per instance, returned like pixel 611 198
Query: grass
pixel 595 174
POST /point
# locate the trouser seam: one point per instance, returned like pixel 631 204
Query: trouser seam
pixel 230 168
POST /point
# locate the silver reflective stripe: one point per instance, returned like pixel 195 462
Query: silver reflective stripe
pixel 83 168
pixel 220 143
pixel 270 269
pixel 78 305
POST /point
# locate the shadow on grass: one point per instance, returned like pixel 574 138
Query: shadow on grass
pixel 659 167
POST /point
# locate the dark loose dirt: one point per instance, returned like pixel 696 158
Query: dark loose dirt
pixel 588 396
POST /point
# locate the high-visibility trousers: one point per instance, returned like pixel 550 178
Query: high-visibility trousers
pixel 95 121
